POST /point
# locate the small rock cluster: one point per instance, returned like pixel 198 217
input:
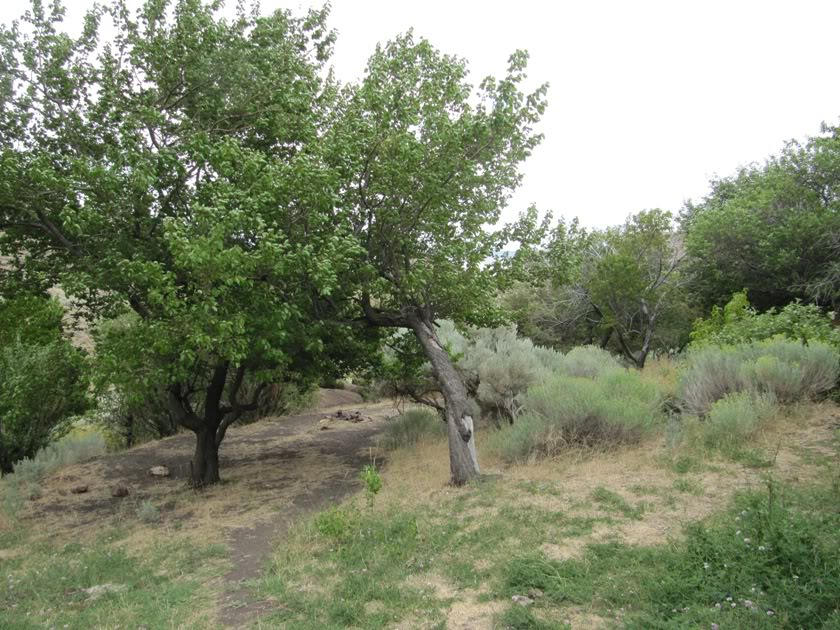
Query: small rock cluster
pixel 345 416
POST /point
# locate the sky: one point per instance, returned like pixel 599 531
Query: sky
pixel 647 100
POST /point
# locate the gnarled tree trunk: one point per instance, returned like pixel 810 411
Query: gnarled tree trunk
pixel 463 459
pixel 211 426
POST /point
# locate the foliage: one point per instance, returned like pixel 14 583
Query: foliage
pixel 738 322
pixel 176 171
pixel 617 407
pixel 588 362
pixel 148 512
pixel 411 428
pixel 769 228
pixel 622 286
pixel 373 482
pixel 43 384
pixel 736 416
pixel 30 320
pixel 789 370
pixel 771 562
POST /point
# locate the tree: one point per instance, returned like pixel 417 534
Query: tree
pixel 635 279
pixel 175 171
pixel 770 228
pixel 621 287
pixel 427 165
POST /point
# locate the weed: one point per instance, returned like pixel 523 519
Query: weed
pixel 148 512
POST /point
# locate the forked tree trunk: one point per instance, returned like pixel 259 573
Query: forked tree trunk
pixel 463 460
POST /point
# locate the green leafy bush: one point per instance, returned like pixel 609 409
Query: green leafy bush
pixel 738 322
pixel 618 407
pixel 410 428
pixel 43 379
pixel 789 370
pixel 41 388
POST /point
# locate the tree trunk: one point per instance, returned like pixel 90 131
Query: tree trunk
pixel 205 464
pixel 463 460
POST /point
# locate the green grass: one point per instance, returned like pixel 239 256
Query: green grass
pixel 767 563
pixel 371 567
pixel 47 586
pixel 613 502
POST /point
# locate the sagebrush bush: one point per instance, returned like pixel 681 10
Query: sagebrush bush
pixel 413 426
pixel 617 407
pixel 736 417
pixel 588 362
pixel 71 449
pixel 790 370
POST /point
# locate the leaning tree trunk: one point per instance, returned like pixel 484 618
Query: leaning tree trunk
pixel 463 460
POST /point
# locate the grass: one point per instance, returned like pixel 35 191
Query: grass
pixel 771 561
pixel 24 483
pixel 368 568
pixel 101 584
pixel 616 538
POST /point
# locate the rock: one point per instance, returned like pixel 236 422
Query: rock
pixel 522 600
pixel 159 471
pixel 119 491
pixel 79 489
pixel 325 427
pixel 95 592
pixel 535 593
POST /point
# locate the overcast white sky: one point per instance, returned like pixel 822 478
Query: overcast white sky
pixel 647 99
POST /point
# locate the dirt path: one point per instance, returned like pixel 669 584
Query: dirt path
pixel 250 546
pixel 273 472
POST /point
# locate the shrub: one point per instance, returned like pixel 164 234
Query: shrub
pixel 789 370
pixel 410 428
pixel 737 323
pixel 71 449
pixel 737 416
pixel 588 362
pixel 41 388
pixel 618 407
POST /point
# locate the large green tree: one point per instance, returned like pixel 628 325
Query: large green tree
pixel 176 171
pixel 427 164
pixel 771 229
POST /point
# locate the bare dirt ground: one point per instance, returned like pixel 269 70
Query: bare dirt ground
pixel 273 472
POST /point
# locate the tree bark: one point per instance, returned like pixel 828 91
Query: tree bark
pixel 205 464
pixel 463 459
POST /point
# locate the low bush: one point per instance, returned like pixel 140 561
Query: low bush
pixel 410 428
pixel 618 407
pixel 789 370
pixel 71 449
pixel 588 362
pixel 736 417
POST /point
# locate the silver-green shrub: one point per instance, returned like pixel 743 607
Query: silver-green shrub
pixel 737 416
pixel 617 407
pixel 789 370
pixel 411 427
